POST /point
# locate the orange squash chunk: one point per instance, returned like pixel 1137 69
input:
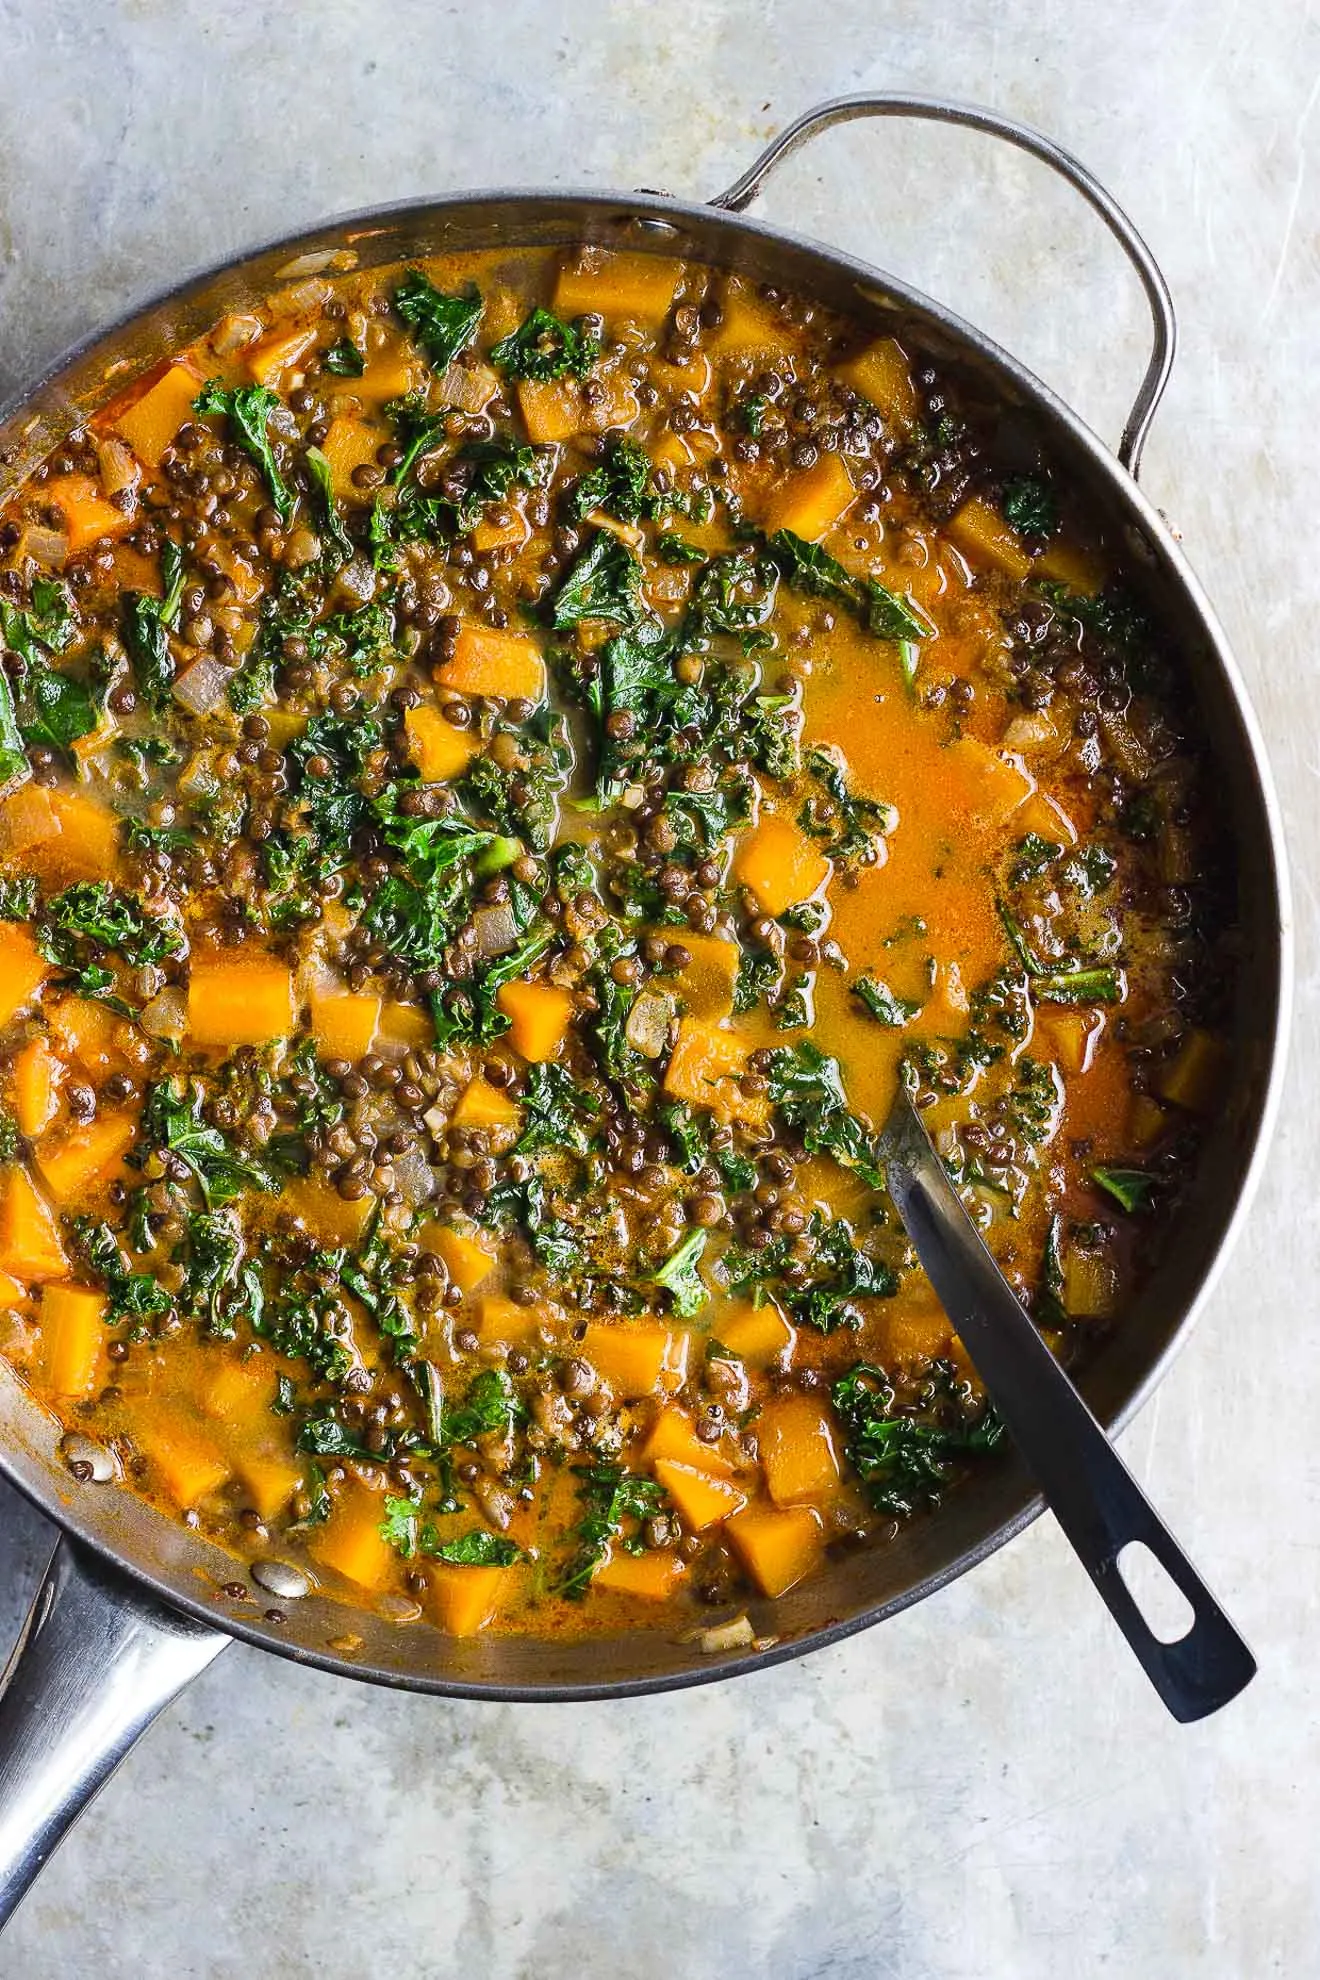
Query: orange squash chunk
pixel 674 1438
pixel 350 443
pixel 747 324
pixel 539 1015
pixel 269 1482
pixel 507 666
pixel 637 1358
pixel 88 845
pixel 239 1003
pixel 641 286
pixel 881 373
pixel 779 864
pixel 812 501
pixel 777 1548
pixel 30 1245
pixel 28 819
pixel 551 411
pixel 502 1319
pixel 11 1292
pixel 912 1335
pixel 996 781
pixel 23 968
pixel 654 1576
pixel 89 1033
pixel 706 984
pixel 490 535
pixel 468 1260
pixel 241 1389
pixel 351 1543
pixel 439 750
pixel 406 1024
pixel 701 1500
pixel 705 1068
pixel 150 424
pixel 389 374
pixel 464 1599
pixel 1194 1078
pixel 756 1335
pixel 797 1451
pixel 272 357
pixel 331 1218
pixel 72 1336
pixel 37 1076
pixel 189 1466
pixel 482 1105
pixel 89 1155
pixel 345 1024
pixel 88 517
pixel 983 535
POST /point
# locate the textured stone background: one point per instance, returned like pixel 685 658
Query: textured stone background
pixel 984 1787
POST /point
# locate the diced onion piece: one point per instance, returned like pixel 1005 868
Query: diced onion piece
pixel 118 463
pixel 166 1016
pixel 200 687
pixel 735 1635
pixel 414 1177
pixel 235 333
pixel 496 929
pixel 46 546
pixel 647 1029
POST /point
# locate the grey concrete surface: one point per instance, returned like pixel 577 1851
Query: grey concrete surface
pixel 984 1787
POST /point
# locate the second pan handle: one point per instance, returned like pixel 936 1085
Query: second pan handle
pixel 971 116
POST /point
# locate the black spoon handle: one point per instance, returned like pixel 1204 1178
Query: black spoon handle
pixel 1090 1490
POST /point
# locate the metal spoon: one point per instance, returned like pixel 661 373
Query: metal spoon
pixel 1090 1490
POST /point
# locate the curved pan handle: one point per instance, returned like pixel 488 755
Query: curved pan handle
pixel 1090 1490
pixel 935 109
pixel 97 1660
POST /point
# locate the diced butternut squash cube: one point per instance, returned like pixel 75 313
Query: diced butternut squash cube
pixel 674 1438
pixel 798 1456
pixel 89 1157
pixel 88 517
pixel 481 1105
pixel 777 1548
pixel 239 1002
pixel 150 424
pixel 351 1542
pixel 905 1333
pixel 706 1068
pixel 407 1024
pixel 508 535
pixel 981 533
pixel 812 501
pixel 23 968
pixel 1090 1284
pixel 268 361
pixel 756 1335
pixel 345 1023
pixel 747 324
pixel 699 1499
pixel 468 1259
pixel 882 374
pixel 37 1076
pixel 779 864
pixel 993 781
pixel 637 1357
pixel 653 1576
pixel 706 983
pixel 330 1218
pixel 390 374
pixel 507 666
pixel 240 1390
pixel 551 409
pixel 350 443
pixel 439 750
pixel 88 844
pixel 187 1464
pixel 1194 1077
pixel 1040 814
pixel 28 819
pixel 539 1015
pixel 464 1599
pixel 11 1292
pixel 640 286
pixel 1147 1121
pixel 30 1245
pixel 1067 563
pixel 72 1338
pixel 500 1318
pixel 88 1032
pixel 268 1482
pixel 1073 1037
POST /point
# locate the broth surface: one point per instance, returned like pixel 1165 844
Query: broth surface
pixel 506 764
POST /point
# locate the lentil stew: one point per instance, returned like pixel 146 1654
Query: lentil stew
pixel 507 761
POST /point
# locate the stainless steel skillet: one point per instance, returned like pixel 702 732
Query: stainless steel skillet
pixel 133 1605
